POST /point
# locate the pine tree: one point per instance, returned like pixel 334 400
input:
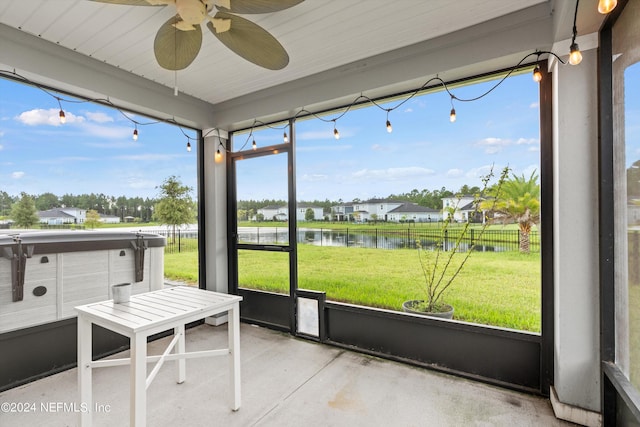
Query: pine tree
pixel 24 213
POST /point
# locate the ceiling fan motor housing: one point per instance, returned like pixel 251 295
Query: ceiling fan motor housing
pixel 191 11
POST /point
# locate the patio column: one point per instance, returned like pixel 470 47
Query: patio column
pixel 576 389
pixel 215 181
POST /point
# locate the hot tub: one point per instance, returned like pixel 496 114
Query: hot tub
pixel 43 274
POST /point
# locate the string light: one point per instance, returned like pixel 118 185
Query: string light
pixel 575 57
pixel 606 6
pixel 218 152
pixel 452 113
pixel 254 146
pixel 189 146
pixel 63 118
pixel 537 74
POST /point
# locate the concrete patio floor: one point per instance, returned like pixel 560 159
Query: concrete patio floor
pixel 285 382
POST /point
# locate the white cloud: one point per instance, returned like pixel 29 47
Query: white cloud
pixel 49 117
pixel 534 105
pixel 527 141
pixel 314 135
pixel 109 132
pixel 392 174
pixel 63 160
pixel 313 177
pixel 325 147
pixel 137 183
pixel 409 110
pixel 454 173
pixel 149 156
pixel 480 172
pixel 496 145
pixel 98 117
pixel 17 174
pixel 1 147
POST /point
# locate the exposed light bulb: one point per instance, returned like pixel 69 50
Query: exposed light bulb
pixel 135 134
pixel 336 134
pixel 389 128
pixel 452 115
pixel 575 57
pixel 218 155
pixel 285 138
pixel 254 145
pixel 63 118
pixel 188 146
pixel 606 6
pixel 537 74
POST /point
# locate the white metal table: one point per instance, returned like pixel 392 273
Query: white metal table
pixel 147 314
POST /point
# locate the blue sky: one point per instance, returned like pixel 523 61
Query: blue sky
pixel 94 150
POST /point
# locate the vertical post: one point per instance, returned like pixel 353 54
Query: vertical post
pixel 234 350
pixel 180 349
pixel 376 238
pixel 138 385
pixel 84 369
pixel 347 241
pixel 179 241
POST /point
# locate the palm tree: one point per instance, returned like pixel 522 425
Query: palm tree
pixel 520 203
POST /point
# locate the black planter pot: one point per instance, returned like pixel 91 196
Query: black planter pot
pixel 410 307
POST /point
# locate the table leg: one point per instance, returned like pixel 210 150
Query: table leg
pixel 234 350
pixel 85 370
pixel 181 349
pixel 138 393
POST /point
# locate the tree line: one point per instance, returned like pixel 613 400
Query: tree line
pixel 173 207
pixel 122 206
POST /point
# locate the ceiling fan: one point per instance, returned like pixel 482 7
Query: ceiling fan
pixel 178 40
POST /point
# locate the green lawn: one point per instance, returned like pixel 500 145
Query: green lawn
pixel 500 289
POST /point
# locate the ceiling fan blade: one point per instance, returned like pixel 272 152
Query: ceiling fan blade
pixel 137 2
pixel 254 6
pixel 176 49
pixel 251 41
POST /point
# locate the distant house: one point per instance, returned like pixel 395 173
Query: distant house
pixel 342 212
pixel 384 210
pixel 61 216
pixel 280 213
pixel 413 212
pixel 461 208
pixel 364 211
pixel 274 213
pixel 301 212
